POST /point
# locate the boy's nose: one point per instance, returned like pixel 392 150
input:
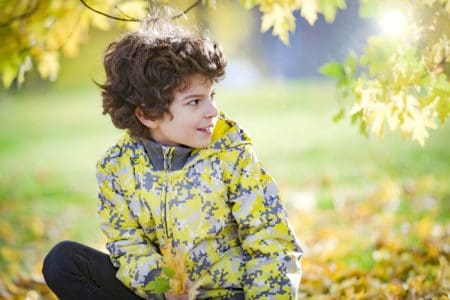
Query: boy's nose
pixel 211 111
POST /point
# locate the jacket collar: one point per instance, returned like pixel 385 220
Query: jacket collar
pixel 177 155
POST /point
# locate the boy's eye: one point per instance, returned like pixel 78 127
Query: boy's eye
pixel 194 102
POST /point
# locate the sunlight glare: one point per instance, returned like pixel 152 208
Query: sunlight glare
pixel 392 22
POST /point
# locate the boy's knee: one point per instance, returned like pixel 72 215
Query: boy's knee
pixel 60 257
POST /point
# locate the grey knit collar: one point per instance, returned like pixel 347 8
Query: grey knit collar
pixel 155 151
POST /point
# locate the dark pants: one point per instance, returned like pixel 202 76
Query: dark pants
pixel 75 271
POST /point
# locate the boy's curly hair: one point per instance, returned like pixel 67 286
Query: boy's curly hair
pixel 145 68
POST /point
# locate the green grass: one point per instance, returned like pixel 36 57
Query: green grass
pixel 48 153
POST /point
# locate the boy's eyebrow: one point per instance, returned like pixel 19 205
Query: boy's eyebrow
pixel 197 95
pixel 194 95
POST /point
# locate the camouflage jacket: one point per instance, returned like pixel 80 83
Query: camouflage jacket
pixel 216 204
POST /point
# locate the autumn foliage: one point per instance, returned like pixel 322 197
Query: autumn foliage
pixel 394 244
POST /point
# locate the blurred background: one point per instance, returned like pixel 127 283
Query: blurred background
pixel 372 215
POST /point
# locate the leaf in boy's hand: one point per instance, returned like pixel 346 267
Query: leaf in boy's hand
pixel 176 267
pixel 168 272
pixel 159 285
pixel 175 270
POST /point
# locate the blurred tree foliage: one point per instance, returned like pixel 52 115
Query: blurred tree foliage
pixel 36 33
pixel 401 81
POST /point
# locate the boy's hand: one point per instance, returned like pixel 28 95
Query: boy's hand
pixel 169 296
pixel 188 286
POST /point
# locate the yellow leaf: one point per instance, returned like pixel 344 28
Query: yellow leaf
pixel 388 191
pixel 9 72
pixel 37 227
pixel 48 64
pixel 423 119
pixel 394 289
pixel 77 35
pixel 309 10
pixel 174 260
pixel 32 295
pixel 10 254
pixel 395 110
pixel 424 228
pixel 7 232
pixel 63 27
pixel 376 118
pixel 444 272
pixel 282 20
pixel 330 7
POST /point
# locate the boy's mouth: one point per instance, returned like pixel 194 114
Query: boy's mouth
pixel 207 129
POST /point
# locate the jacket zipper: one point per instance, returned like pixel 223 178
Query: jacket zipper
pixel 166 155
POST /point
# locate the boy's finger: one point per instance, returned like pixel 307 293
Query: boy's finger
pixel 189 285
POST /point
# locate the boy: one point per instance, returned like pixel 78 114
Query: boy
pixel 183 175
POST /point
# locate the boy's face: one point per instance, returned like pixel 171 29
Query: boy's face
pixel 194 115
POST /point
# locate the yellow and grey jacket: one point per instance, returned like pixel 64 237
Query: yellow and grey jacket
pixel 217 204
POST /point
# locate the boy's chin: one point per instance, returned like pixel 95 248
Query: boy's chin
pixel 199 145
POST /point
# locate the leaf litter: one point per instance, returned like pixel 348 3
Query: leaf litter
pixel 390 243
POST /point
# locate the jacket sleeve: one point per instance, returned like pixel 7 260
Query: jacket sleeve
pixel 271 250
pixel 131 251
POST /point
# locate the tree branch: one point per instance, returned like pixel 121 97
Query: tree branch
pixel 187 9
pixel 29 11
pixel 122 12
pixel 134 19
pixel 109 16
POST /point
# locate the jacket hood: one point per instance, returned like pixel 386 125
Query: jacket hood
pixel 228 134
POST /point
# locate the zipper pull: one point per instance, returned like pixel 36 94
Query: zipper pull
pixel 167 155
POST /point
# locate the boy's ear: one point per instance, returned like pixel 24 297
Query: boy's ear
pixel 147 122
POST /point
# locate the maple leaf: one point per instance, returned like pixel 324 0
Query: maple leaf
pixel 48 64
pixel 329 8
pixel 417 120
pixel 309 10
pixel 175 265
pixel 282 20
pixel 442 93
pixel 376 118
